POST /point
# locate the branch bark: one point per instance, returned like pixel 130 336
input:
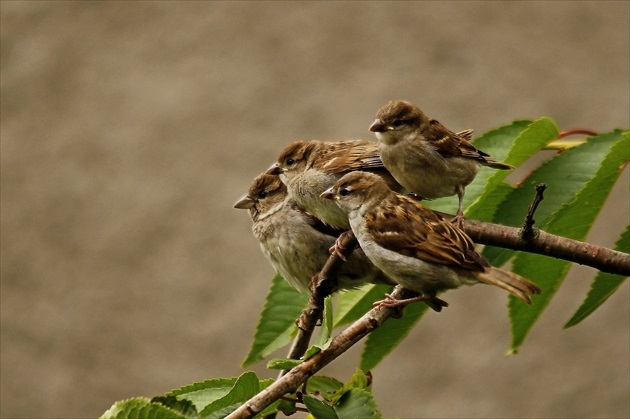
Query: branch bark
pixel 542 243
pixel 327 281
pixel 291 381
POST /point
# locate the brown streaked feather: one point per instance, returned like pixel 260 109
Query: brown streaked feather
pixel 346 156
pixel 450 144
pixel 466 134
pixel 407 227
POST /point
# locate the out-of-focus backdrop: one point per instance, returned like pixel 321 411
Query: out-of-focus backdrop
pixel 129 129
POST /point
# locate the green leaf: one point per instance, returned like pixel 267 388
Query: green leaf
pixel 537 134
pixel 206 392
pixel 322 385
pixel 181 406
pixel 604 286
pixel 288 408
pixel 140 407
pixel 609 152
pixel 276 326
pixel 311 351
pixel 386 337
pixel 358 380
pixel 325 332
pixel 352 305
pixel 215 394
pixel 563 182
pixel 223 412
pixel 354 403
pixel 283 363
pixel 497 143
pixel 318 408
pixel 357 403
pixel 245 387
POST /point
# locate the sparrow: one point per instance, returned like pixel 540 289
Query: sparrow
pixel 309 167
pixel 424 156
pixel 414 245
pixel 295 242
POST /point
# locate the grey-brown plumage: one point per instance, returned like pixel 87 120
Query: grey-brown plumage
pixel 414 245
pixel 309 167
pixel 296 243
pixel 424 156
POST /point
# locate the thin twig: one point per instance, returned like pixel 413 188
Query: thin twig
pixel 327 282
pixel 291 381
pixel 527 232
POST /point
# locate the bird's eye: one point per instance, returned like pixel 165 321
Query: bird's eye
pixel 262 194
pixel 290 162
pixel 344 191
pixel 397 122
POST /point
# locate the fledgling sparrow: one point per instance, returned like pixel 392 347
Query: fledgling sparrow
pixel 414 245
pixel 424 156
pixel 309 167
pixel 296 243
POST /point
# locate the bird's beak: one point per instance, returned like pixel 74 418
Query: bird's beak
pixel 245 203
pixel 274 169
pixel 328 194
pixel 378 126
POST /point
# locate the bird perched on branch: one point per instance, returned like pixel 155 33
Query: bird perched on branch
pixel 309 167
pixel 413 245
pixel 295 242
pixel 424 156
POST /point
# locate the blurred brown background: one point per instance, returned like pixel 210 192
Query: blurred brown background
pixel 130 129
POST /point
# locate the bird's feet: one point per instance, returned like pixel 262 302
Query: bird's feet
pixel 458 220
pixel 390 302
pixel 338 248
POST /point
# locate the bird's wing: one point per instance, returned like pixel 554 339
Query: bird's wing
pixel 405 226
pixel 346 156
pixel 450 144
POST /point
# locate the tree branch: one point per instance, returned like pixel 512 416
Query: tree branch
pixel 542 243
pixel 291 381
pixel 327 282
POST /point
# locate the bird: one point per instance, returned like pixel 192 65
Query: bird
pixel 414 245
pixel 297 243
pixel 424 156
pixel 309 167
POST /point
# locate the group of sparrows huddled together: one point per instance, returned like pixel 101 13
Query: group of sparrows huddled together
pixel 317 190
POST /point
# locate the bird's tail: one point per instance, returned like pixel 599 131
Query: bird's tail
pixel 514 284
pixel 496 165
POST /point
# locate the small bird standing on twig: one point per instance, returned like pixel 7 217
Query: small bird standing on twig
pixel 424 156
pixel 296 243
pixel 413 245
pixel 310 167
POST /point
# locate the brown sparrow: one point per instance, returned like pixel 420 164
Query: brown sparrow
pixel 413 245
pixel 424 156
pixel 310 167
pixel 296 243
